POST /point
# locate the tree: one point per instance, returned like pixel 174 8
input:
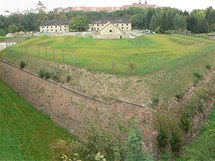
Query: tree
pixel 2 32
pixel 148 17
pixel 137 21
pixel 79 23
pixel 192 24
pixel 179 22
pixel 13 28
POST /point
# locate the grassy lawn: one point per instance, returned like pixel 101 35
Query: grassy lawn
pixel 203 149
pixel 25 133
pixel 147 53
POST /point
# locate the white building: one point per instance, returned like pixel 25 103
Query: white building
pixel 39 8
pixel 51 26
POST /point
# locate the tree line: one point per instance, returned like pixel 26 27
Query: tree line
pixel 159 20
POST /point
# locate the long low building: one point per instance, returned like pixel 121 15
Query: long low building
pixel 51 26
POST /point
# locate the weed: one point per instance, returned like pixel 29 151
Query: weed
pixel 155 100
pixel 22 65
pixel 208 66
pixel 198 75
pixel 179 96
pixel 44 74
pixel 68 78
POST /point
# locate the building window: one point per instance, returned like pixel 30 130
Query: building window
pixel 97 24
pixel 122 28
pixel 102 24
pixel 111 31
pixel 117 24
pixel 97 28
pixel 127 24
pixel 65 26
pixel 65 29
pixel 60 26
pixel 47 27
pixel 55 26
pixel 127 27
pixel 122 24
pixel 51 26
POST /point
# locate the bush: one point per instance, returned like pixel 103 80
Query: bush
pixel 41 73
pixel 198 75
pixel 208 66
pixel 22 65
pixel 68 78
pixel 44 74
pixel 185 122
pixel 133 146
pixel 179 96
pixel 55 76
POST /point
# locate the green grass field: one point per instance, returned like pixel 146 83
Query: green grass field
pixel 203 149
pixel 147 53
pixel 25 133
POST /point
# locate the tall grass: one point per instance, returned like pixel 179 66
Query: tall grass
pixel 25 133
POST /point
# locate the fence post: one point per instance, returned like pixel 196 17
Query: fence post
pixel 32 51
pixel 53 55
pixel 73 59
pixel 150 64
pixel 46 52
pixel 63 57
pixel 38 52
pixel 160 63
pixel 113 66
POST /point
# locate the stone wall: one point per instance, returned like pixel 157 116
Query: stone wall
pixel 68 108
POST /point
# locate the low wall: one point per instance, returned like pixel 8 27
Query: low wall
pixel 68 108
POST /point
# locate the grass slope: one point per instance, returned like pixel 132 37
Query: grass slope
pixel 149 51
pixel 25 133
pixel 203 149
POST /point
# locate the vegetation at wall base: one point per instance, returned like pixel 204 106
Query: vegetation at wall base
pixel 25 133
pixel 203 148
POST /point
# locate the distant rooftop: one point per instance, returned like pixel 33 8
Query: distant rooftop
pixel 54 22
pixel 112 20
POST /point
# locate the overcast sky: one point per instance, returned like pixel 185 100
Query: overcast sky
pixel 14 5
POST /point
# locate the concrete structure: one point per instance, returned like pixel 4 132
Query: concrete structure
pixel 52 26
pixel 116 28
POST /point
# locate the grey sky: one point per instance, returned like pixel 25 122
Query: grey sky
pixel 14 5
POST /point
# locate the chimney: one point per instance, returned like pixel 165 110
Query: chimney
pixel 145 1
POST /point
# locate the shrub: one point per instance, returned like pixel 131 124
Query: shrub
pixel 198 75
pixel 22 65
pixel 54 76
pixel 185 121
pixel 41 73
pixel 179 96
pixel 155 100
pixel 131 67
pixel 208 66
pixel 44 74
pixel 162 138
pixel 176 141
pixel 68 78
pixel 133 146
